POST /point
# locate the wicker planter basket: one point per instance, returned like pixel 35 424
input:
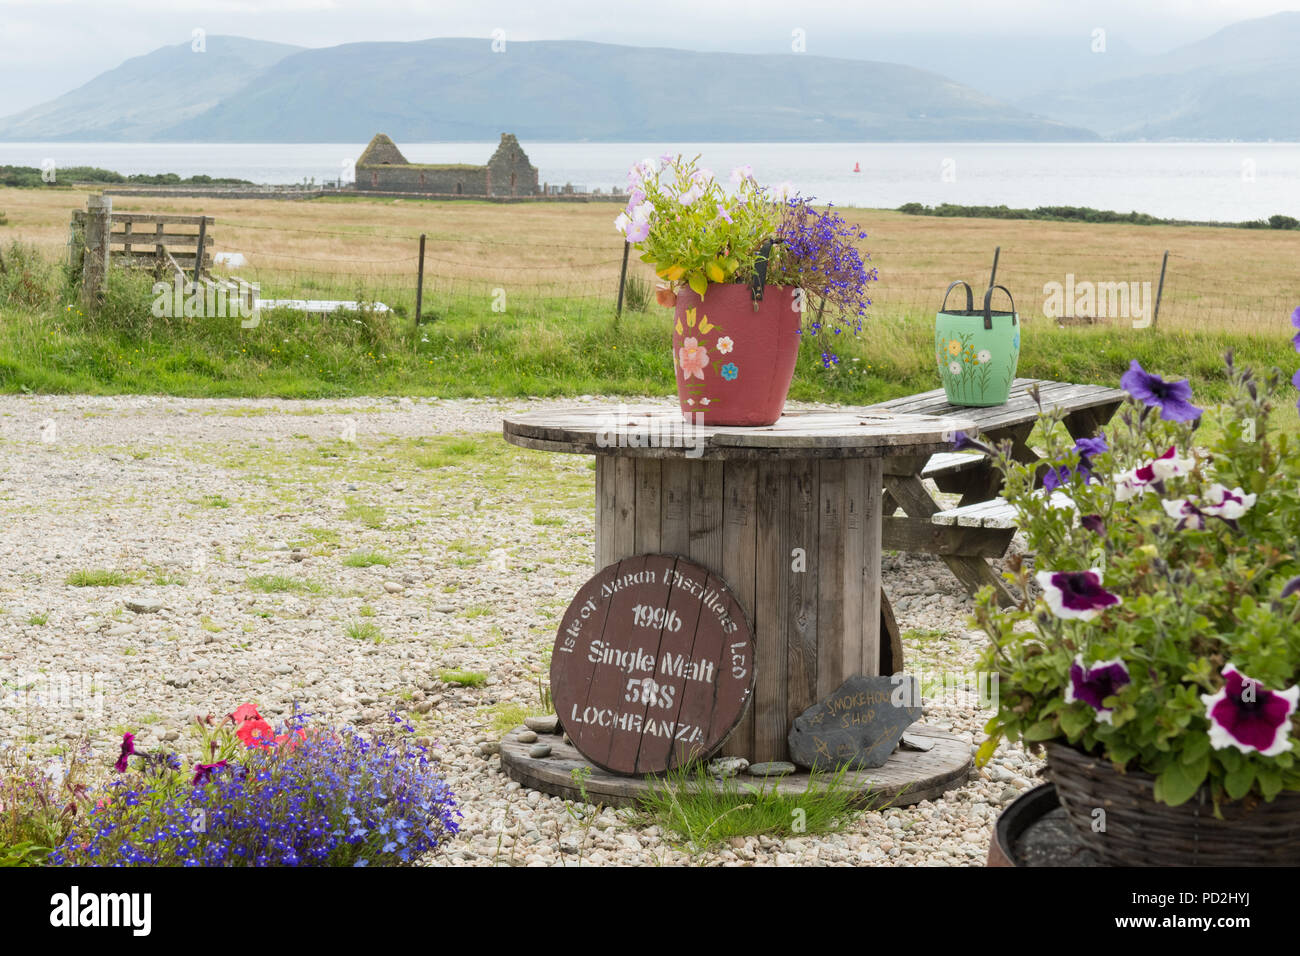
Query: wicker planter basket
pixel 1141 832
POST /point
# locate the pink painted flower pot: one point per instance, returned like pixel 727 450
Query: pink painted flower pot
pixel 734 364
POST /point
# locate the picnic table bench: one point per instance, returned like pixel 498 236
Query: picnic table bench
pixel 982 525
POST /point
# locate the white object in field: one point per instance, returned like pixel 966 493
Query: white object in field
pixel 232 259
pixel 319 306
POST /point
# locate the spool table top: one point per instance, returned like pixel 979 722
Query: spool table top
pixel 655 431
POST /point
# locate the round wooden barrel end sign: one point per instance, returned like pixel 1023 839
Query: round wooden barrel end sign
pixel 653 665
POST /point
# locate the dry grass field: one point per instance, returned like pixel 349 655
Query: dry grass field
pixel 1218 280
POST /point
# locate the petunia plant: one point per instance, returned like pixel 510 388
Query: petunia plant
pixel 1160 626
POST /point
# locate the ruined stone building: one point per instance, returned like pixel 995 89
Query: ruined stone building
pixel 382 167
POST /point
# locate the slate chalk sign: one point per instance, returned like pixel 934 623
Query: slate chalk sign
pixel 857 726
pixel 653 665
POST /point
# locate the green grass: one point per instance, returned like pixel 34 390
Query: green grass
pixel 367 559
pixel 98 578
pixel 540 347
pixel 364 631
pixel 463 678
pixel 372 516
pixel 38 620
pixel 505 717
pixel 215 501
pixel 701 813
pixel 282 583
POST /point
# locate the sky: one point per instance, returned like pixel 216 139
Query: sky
pixel 48 47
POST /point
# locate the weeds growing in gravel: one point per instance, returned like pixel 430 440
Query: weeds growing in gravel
pixel 703 812
pixel 463 678
pixel 98 578
pixel 276 583
pixel 367 559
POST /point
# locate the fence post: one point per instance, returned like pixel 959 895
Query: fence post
pixel 1160 288
pixel 94 270
pixel 419 284
pixel 198 256
pixel 622 281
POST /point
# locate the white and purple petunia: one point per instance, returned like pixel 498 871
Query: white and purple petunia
pixel 1246 715
pixel 1093 684
pixel 1185 513
pixel 1138 481
pixel 1075 595
pixel 1227 503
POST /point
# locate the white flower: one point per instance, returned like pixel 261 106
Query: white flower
pixel 725 344
pixel 622 222
pixel 984 356
pixel 704 401
pixel 954 368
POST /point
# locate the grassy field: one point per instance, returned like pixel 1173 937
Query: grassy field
pixel 557 265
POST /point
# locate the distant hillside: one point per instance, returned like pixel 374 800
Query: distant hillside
pixel 147 93
pixel 1240 83
pixel 459 90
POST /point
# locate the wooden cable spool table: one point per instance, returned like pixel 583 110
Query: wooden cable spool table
pixel 787 515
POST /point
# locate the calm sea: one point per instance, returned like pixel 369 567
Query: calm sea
pixel 1220 182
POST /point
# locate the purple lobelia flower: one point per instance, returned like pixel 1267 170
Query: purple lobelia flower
pixel 1172 398
pixel 1295 320
pixel 1295 380
pixel 1075 595
pixel 1094 684
pixel 1246 715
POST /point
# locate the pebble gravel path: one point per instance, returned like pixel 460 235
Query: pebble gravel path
pixel 164 557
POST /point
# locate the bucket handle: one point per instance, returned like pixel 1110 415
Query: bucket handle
pixel 970 301
pixel 760 271
pixel 988 299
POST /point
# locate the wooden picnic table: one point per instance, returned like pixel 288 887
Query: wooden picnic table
pixel 966 537
pixel 788 515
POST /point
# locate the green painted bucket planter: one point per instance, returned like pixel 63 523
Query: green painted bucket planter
pixel 977 349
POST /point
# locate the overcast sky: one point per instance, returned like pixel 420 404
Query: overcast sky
pixel 48 47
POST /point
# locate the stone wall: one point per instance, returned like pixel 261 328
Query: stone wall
pixel 449 180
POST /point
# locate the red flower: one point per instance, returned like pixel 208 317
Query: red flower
pixel 255 733
pixel 245 712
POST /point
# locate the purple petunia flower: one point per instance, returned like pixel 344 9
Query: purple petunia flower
pixel 1076 595
pixel 1246 715
pixel 1172 398
pixel 1094 523
pixel 1086 448
pixel 128 750
pixel 1295 380
pixel 1291 587
pixel 1295 320
pixel 1094 684
pixel 963 442
pixel 1185 513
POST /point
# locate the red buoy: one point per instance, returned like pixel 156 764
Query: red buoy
pixel 857 167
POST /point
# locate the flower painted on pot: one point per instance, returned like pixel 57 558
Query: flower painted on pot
pixel 729 371
pixel 954 368
pixel 706 401
pixel 690 401
pixel 1075 595
pixel 1172 398
pixel 1094 684
pixel 692 357
pixel 954 347
pixel 1015 340
pixel 1246 715
pixel 984 356
pixel 680 330
pixel 705 325
pixel 725 345
pixel 1228 504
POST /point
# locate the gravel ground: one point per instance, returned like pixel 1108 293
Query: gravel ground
pixel 243 520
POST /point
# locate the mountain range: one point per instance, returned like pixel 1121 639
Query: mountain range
pixel 1239 83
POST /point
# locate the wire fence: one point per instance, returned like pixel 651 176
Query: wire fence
pixel 1065 277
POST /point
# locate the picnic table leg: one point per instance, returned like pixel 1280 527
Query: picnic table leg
pixel 1086 421
pixel 973 573
pixel 891 639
